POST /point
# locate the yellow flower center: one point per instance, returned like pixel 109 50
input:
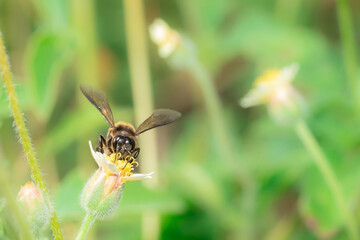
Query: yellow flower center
pixel 269 76
pixel 125 165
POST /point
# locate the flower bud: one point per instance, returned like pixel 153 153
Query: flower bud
pixel 101 193
pixel 32 200
pixel 93 190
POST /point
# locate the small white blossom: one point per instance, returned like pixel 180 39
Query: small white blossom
pixel 103 191
pixel 138 176
pixel 166 38
pixel 274 88
pixel 101 160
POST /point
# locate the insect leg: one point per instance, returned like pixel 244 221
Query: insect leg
pixel 102 142
pixel 109 147
pixel 127 157
pixel 135 153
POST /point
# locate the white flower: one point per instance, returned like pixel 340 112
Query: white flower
pixel 138 176
pixel 274 88
pixel 121 168
pixel 166 38
pixel 102 161
pixel 103 191
pixel 273 85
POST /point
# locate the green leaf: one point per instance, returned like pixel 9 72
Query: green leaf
pixel 198 184
pixel 55 13
pixel 47 56
pixel 2 207
pixel 317 205
pixel 137 198
pixel 67 197
pixel 2 204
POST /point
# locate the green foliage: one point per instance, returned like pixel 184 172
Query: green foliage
pixel 199 196
pixel 70 189
pixel 47 58
pixel 2 206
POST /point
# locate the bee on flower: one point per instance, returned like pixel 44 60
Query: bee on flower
pixel 116 155
pixel 274 88
pixel 103 191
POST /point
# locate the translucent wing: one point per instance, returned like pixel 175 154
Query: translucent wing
pixel 99 100
pixel 160 117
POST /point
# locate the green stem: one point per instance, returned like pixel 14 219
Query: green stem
pixel 83 22
pixel 137 50
pixel 24 137
pixel 349 49
pixel 86 59
pixel 85 226
pixel 330 178
pixel 11 203
pixel 218 125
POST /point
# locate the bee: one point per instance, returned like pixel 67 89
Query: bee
pixel 121 136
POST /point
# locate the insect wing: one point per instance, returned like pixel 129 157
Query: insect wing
pixel 99 100
pixel 160 117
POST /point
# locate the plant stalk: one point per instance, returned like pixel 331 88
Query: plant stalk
pixel 85 226
pixel 25 139
pixel 137 50
pixel 218 125
pixel 330 178
pixel 349 50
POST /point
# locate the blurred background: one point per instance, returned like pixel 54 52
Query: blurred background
pixel 54 46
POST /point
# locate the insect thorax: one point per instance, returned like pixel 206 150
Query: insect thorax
pixel 122 129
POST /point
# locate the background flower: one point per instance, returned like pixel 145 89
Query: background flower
pixel 274 88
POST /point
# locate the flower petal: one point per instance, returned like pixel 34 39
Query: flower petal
pixel 166 38
pixel 138 176
pixel 158 30
pixel 288 73
pixel 254 97
pixel 265 89
pixel 101 161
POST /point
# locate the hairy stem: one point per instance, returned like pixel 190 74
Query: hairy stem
pixel 24 137
pixel 85 226
pixel 330 178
